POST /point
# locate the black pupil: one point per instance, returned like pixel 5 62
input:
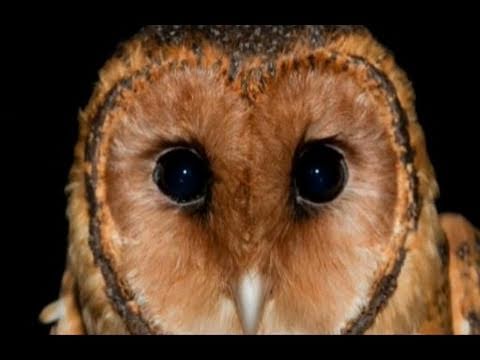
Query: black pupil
pixel 319 173
pixel 182 175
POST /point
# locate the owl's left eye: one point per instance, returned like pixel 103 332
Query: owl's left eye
pixel 183 175
pixel 319 173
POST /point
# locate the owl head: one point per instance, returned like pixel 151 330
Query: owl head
pixel 250 179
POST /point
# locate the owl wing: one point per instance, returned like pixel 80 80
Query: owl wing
pixel 64 312
pixel 464 273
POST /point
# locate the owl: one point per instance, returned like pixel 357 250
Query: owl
pixel 259 180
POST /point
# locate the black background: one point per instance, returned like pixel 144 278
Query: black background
pixel 59 65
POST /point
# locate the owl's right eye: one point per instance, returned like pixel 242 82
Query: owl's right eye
pixel 183 175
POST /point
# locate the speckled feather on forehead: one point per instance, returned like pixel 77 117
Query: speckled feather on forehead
pixel 241 40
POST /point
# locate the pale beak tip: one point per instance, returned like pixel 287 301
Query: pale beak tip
pixel 250 296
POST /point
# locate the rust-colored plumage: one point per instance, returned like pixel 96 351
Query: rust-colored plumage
pixel 377 259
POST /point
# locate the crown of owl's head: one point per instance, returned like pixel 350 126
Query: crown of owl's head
pixel 195 196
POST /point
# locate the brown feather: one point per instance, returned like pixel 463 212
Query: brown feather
pixel 464 256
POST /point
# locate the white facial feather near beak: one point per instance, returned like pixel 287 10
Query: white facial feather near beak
pixel 250 296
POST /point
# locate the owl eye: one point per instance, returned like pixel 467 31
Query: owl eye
pixel 183 175
pixel 319 173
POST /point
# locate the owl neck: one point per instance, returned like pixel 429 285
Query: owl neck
pixel 420 302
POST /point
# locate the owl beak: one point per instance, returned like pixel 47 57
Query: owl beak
pixel 249 296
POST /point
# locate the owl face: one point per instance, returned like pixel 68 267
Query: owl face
pixel 247 189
